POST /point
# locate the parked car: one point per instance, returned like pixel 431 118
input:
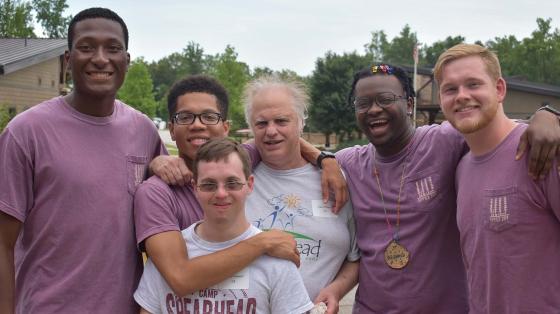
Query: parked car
pixel 159 123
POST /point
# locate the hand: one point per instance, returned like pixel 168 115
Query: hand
pixel 172 170
pixel 333 180
pixel 329 298
pixel 279 244
pixel 543 135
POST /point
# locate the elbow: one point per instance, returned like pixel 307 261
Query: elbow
pixel 180 286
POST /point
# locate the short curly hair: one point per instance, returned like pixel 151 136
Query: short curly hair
pixel 399 73
pixel 93 13
pixel 198 84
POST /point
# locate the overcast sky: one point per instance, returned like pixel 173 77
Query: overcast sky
pixel 289 34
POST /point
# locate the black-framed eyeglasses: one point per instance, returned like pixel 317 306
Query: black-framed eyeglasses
pixel 208 118
pixel 228 186
pixel 383 100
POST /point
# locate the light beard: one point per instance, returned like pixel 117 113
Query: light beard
pixel 468 126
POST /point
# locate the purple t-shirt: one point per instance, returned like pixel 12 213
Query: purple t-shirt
pixel 510 232
pixel 159 207
pixel 70 179
pixel 434 279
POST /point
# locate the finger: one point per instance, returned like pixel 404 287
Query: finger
pixel 338 199
pixel 179 178
pixel 332 307
pixel 185 173
pixel 295 259
pixel 549 158
pixel 324 189
pixel 534 160
pixel 164 178
pixel 523 142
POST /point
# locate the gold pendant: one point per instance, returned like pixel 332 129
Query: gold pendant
pixel 396 255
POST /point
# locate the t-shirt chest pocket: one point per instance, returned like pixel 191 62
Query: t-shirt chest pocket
pixel 499 206
pixel 136 167
pixel 424 189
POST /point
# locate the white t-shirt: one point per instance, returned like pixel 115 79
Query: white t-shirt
pixel 291 200
pixel 268 285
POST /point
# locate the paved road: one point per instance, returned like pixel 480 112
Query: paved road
pixel 166 137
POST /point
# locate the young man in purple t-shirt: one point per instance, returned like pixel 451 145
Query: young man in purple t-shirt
pixel 402 190
pixel 509 224
pixel 69 169
pixel 198 107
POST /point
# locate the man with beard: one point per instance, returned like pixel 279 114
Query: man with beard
pixel 402 189
pixel 509 224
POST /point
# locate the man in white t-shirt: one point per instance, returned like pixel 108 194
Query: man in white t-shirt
pixel 269 285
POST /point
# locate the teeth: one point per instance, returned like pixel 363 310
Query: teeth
pixel 378 122
pixel 198 141
pixel 99 75
pixel 464 109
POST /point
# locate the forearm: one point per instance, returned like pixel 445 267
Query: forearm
pixel 185 275
pixel 7 279
pixel 345 280
pixel 9 231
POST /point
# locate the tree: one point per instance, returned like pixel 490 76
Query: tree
pixel 49 15
pixel 16 19
pixel 398 51
pixel 329 87
pixel 431 53
pixel 536 58
pixel 174 67
pixel 4 117
pixel 137 88
pixel 377 47
pixel 234 75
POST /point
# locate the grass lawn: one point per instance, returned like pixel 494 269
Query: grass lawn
pixel 172 149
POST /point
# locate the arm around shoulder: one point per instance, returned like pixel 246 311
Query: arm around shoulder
pixel 168 253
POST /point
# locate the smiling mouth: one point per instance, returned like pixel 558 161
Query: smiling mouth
pixel 466 108
pixel 377 123
pixel 99 75
pixel 197 141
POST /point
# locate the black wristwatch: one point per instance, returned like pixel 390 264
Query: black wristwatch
pixel 323 155
pixel 550 109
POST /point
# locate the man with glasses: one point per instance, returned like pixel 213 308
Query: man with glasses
pixel 222 182
pixel 402 187
pixel 198 108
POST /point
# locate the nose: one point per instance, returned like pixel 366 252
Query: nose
pixel 462 93
pixel 374 108
pixel 99 57
pixel 221 191
pixel 271 130
pixel 197 123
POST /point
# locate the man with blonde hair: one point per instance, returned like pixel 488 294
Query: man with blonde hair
pixel 509 225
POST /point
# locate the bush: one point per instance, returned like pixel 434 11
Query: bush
pixel 4 117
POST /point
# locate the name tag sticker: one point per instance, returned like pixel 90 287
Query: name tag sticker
pixel 322 210
pixel 238 281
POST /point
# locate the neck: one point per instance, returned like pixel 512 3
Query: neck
pixel 92 106
pixel 296 161
pixel 221 231
pixel 396 146
pixel 488 138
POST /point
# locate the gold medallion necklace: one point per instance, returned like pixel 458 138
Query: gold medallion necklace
pixel 396 255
